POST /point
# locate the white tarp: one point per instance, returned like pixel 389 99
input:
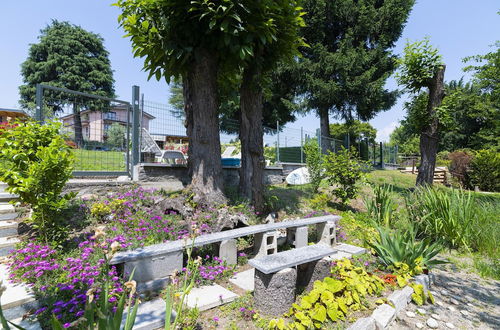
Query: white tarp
pixel 298 176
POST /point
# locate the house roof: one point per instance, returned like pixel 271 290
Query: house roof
pixel 150 116
pixel 13 112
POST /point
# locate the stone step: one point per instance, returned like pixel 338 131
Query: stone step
pixel 6 208
pixel 8 228
pixel 16 300
pixel 6 197
pixel 8 216
pixel 150 315
pixel 7 244
pixel 209 296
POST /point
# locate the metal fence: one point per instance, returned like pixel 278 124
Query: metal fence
pixel 97 127
pixel 109 136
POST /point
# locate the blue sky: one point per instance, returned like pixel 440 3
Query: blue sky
pixel 459 28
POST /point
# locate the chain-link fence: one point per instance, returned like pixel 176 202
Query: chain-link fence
pixel 110 135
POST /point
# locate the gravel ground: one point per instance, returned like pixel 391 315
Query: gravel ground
pixel 463 301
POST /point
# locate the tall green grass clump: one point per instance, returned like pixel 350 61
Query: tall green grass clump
pixel 382 206
pixel 457 217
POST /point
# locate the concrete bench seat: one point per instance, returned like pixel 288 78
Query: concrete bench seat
pixel 165 248
pixel 155 263
pixel 276 262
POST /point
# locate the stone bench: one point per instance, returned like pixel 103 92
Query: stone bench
pixel 153 264
pixel 276 276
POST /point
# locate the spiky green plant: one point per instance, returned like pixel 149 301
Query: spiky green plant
pixel 394 247
pixel 382 206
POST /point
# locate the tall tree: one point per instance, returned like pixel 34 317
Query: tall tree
pixel 70 57
pixel 282 45
pixel 422 67
pixel 350 58
pixel 196 41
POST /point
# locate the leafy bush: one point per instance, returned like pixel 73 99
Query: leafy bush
pixel 485 170
pixel 40 164
pixel 343 170
pixel 314 163
pixel 381 207
pixel 459 166
pixel 396 247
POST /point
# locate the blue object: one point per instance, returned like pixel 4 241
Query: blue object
pixel 231 162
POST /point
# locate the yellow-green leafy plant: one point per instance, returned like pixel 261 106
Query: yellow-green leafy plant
pixel 332 298
pixel 419 296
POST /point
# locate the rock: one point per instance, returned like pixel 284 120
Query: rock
pixel 444 292
pixel 424 280
pixel 177 205
pixel 464 313
pixel 454 302
pixel 439 303
pixel 432 323
pixel 227 220
pixel 436 317
pixel 419 325
pixel 271 218
pixel 450 325
pixel 421 311
pixel 401 298
pixel 452 309
pixel 470 305
pixel 383 315
pixel 410 314
pixel 366 323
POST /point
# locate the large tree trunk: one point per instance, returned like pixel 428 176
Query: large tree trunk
pixel 251 137
pixel 201 107
pixel 77 126
pixel 324 124
pixel 429 137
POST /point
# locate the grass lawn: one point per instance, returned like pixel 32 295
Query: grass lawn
pixel 97 160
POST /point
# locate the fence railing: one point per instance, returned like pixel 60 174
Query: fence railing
pixel 110 135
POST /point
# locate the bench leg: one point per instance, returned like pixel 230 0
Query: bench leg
pixel 228 251
pixel 327 233
pixel 274 293
pixel 266 243
pixel 298 237
pixel 313 271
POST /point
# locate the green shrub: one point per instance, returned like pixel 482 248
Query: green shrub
pixel 485 170
pixel 459 166
pixel 40 164
pixel 382 206
pixel 343 170
pixel 401 247
pixel 314 163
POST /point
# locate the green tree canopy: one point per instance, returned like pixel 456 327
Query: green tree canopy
pixel 67 56
pixel 349 59
pixel 357 131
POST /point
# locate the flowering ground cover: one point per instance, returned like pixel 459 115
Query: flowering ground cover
pixel 62 276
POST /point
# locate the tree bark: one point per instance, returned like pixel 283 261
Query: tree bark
pixel 324 121
pixel 429 136
pixel 251 137
pixel 77 126
pixel 201 107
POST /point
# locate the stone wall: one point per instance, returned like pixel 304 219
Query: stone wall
pixel 178 174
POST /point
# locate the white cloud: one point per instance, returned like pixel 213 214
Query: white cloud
pixel 383 134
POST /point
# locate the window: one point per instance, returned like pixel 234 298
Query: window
pixel 107 127
pixel 110 115
pixel 87 131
